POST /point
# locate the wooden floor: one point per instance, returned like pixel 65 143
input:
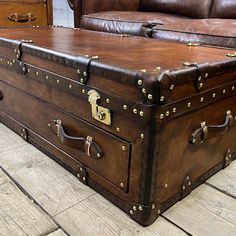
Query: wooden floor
pixel 38 197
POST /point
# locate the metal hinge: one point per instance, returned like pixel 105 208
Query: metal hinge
pixel 98 112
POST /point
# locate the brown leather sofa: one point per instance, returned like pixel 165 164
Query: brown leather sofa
pixel 202 21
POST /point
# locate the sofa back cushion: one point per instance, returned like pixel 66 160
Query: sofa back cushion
pixel 224 9
pixel 190 8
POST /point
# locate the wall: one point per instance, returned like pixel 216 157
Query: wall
pixel 62 14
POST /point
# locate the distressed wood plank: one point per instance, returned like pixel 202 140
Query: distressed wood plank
pixel 225 180
pixel 97 216
pixel 53 187
pixel 59 232
pixel 9 140
pixel 205 211
pixel 19 215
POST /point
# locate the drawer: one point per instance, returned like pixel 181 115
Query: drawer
pixel 24 13
pixel 103 152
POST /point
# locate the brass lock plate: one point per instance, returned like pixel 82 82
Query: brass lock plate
pixel 99 113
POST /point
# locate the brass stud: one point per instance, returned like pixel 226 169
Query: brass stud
pixel 144 90
pixel 189 104
pixel 158 68
pixel 84 179
pixel 134 208
pixel 118 129
pixel 199 78
pixel 125 107
pixel 81 169
pixel 37 73
pixel 167 113
pixel 202 99
pixel 141 113
pixel 174 110
pixel 150 96
pixel 13 61
pixel 123 148
pixel 159 212
pixel 81 80
pixel 161 116
pixel 143 70
pixel 142 136
pixel 189 183
pixel 58 81
pixel 85 73
pixel 233 88
pixel 194 140
pixel 28 70
pixel 49 125
pixel 46 77
pixel 121 185
pixel 8 62
pixel 201 85
pixel 183 187
pixel 70 86
pixel 153 206
pixel 224 91
pixel 98 155
pixel 206 75
pixel 162 98
pixel 140 82
pixel 131 212
pixel 166 185
pixel 78 71
pixel 78 175
pixel 172 87
pixel 83 91
pixel 107 100
pixel 213 95
pixel 15 50
pixel 135 111
pixel 140 208
pixel 0 59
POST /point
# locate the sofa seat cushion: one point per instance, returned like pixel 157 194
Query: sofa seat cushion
pixel 218 32
pixel 224 9
pixel 123 22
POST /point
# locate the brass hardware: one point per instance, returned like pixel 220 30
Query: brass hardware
pixel 224 91
pixel 206 75
pixel 141 113
pixel 58 81
pixel 161 116
pixel 89 141
pixel 142 136
pixel 213 95
pixel 78 71
pixel 46 77
pixel 167 113
pixel 140 82
pixel 85 73
pixel 162 98
pixel 174 110
pixel 37 73
pixel 202 99
pixel 143 70
pixel 190 44
pixel 123 148
pixel 159 212
pixel 172 87
pixel 189 104
pixel 118 129
pixel 131 212
pixel 134 208
pixel 135 111
pixel 70 86
pixel 125 107
pixel 158 68
pixel 144 90
pixel 81 80
pixel 233 88
pixel 140 208
pixel 121 185
pixel 150 96
pixel 98 112
pixel 83 90
pixel 231 54
pixel 166 185
pixel 153 206
pixel 107 100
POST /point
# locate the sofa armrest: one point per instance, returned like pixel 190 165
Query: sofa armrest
pixel 84 7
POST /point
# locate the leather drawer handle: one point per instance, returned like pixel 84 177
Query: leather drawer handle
pixel 22 17
pixel 205 132
pixel 86 145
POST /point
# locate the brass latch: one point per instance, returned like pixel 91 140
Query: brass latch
pixel 99 113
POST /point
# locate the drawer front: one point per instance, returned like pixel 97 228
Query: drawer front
pixel 25 13
pixel 104 153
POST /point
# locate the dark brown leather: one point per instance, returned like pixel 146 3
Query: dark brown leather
pixel 206 31
pixel 92 6
pixel 190 8
pixel 224 9
pixel 71 4
pixel 122 22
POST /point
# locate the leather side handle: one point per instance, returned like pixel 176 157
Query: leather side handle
pixel 86 145
pixel 22 17
pixel 205 132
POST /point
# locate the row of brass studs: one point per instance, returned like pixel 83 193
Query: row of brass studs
pixel 189 104
pixel 140 208
pixel 144 91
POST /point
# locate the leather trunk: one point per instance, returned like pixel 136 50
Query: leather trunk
pixel 141 121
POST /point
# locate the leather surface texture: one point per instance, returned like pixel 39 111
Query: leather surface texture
pixel 122 22
pixel 191 8
pixel 207 31
pixel 224 9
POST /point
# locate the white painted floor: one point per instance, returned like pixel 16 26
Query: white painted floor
pixel 38 197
